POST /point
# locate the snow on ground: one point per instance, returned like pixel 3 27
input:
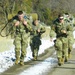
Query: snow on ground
pixel 7 58
pixel 41 68
pixel 45 44
pixel 74 38
pixel 44 66
pixel 74 34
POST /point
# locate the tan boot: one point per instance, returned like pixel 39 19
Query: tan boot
pixel 62 60
pixel 69 56
pixel 21 63
pixel 17 61
pixel 35 58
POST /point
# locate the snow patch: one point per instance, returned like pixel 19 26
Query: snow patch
pixel 40 68
pixel 7 58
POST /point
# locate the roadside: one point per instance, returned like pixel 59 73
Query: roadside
pixel 16 69
pixel 67 69
pixel 50 52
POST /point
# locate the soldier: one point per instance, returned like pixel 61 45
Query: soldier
pixel 69 20
pixel 35 41
pixel 61 42
pixel 70 39
pixel 21 28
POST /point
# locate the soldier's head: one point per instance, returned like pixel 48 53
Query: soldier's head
pixel 60 18
pixel 20 15
pixel 67 14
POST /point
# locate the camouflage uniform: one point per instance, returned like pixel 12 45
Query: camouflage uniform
pixel 35 41
pixel 70 36
pixel 69 19
pixel 21 41
pixel 70 39
pixel 61 42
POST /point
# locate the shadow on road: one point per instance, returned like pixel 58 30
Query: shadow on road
pixel 65 67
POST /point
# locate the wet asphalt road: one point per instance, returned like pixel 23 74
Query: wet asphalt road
pixel 68 68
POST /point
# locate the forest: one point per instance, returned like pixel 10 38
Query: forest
pixel 47 10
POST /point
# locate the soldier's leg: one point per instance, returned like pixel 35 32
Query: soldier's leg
pixel 17 44
pixel 58 47
pixel 63 57
pixel 69 50
pixel 35 54
pixel 70 43
pixel 37 45
pixel 23 52
pixel 36 50
pixel 32 46
pixel 65 49
pixel 17 55
pixel 32 49
pixel 59 56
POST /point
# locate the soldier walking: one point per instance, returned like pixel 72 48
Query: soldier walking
pixel 69 24
pixel 35 41
pixel 61 42
pixel 21 28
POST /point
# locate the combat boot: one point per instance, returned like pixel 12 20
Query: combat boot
pixel 69 56
pixel 59 61
pixel 17 61
pixel 21 63
pixel 35 58
pixel 62 60
pixel 66 58
pixel 17 53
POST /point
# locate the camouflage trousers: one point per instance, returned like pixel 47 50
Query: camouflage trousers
pixel 21 44
pixel 70 44
pixel 34 51
pixel 61 46
pixel 35 43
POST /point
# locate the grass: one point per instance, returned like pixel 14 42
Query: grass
pixel 5 44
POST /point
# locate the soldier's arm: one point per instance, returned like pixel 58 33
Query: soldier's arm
pixel 42 30
pixel 63 29
pixel 28 26
pixel 69 30
pixel 14 25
